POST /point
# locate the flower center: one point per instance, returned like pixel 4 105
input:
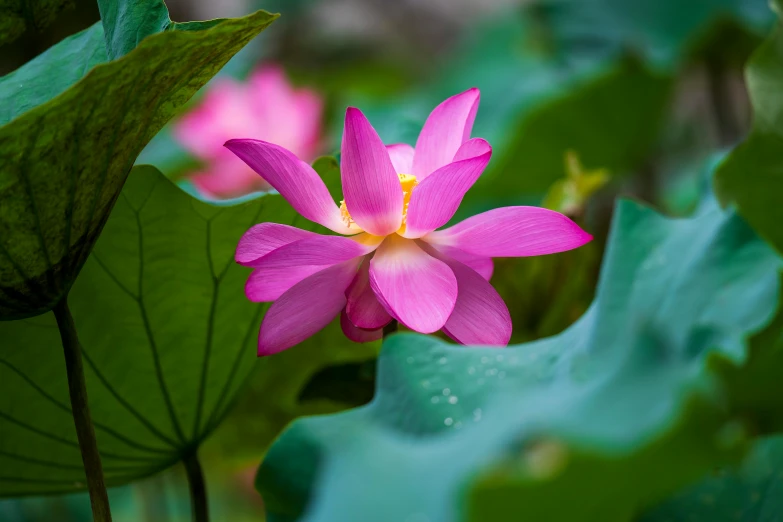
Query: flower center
pixel 347 219
pixel 407 182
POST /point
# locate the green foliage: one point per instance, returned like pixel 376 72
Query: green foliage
pixel 74 129
pixel 324 374
pixel 603 89
pixel 169 339
pixel 659 30
pixel 565 282
pixel 751 493
pixel 18 15
pixel 611 414
pixel 764 363
pixel 534 109
pixel 546 294
pixel 51 73
pixel 127 23
pixel 751 178
pixel 612 122
pixel 669 374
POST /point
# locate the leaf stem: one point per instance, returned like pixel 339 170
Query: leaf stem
pixel 727 127
pixel 198 488
pixel 390 328
pixel 81 413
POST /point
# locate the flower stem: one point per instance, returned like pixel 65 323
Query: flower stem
pixel 727 127
pixel 198 488
pixel 81 413
pixel 390 328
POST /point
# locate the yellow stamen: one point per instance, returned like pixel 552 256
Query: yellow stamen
pixel 408 182
pixel 347 219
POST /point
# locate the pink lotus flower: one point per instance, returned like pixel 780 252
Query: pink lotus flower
pixel 267 108
pixel 393 264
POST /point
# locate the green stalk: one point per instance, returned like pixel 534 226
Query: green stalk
pixel 81 413
pixel 198 488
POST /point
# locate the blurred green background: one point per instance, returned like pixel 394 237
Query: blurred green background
pixel 582 100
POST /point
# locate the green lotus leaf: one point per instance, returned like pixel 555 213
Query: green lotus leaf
pixel 73 127
pixel 169 340
pixel 613 414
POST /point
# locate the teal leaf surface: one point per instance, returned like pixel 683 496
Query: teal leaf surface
pixel 461 433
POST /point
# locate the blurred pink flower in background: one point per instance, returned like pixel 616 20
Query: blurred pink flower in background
pixel 265 107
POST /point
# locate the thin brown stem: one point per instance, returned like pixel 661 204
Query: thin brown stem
pixel 81 413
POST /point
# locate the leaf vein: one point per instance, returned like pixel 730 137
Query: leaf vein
pixel 113 277
pixel 68 410
pixel 126 404
pixel 217 415
pixel 60 465
pixel 151 338
pixel 210 334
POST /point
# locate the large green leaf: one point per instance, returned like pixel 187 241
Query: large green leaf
pixel 73 131
pixel 751 493
pixel 751 178
pixel 168 340
pixel 18 15
pixel 611 414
